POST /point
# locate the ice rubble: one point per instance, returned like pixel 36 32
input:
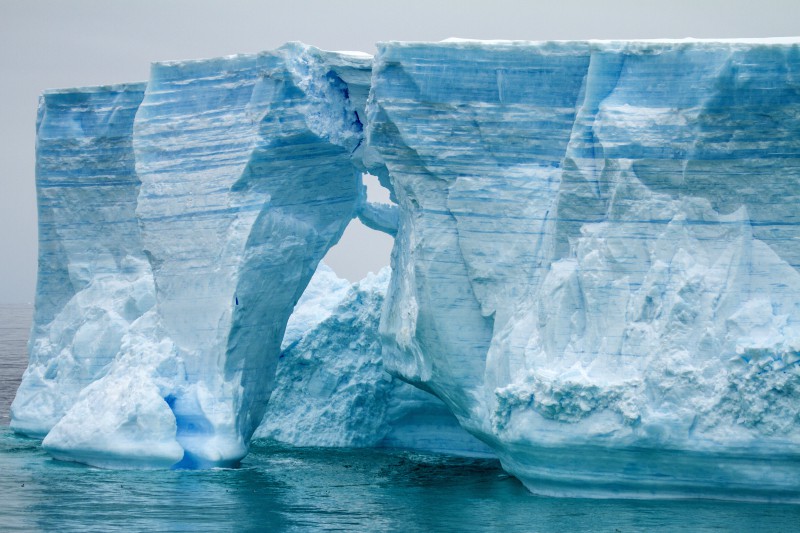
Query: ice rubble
pixel 595 262
pixel 331 388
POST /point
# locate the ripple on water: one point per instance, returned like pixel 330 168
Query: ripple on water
pixel 279 488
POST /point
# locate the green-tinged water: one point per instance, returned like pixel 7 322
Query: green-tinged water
pixel 290 489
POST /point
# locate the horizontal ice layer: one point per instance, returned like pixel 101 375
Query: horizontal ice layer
pixel 94 279
pixel 596 261
pixel 380 217
pixel 331 388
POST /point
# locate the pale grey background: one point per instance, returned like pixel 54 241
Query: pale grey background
pixel 89 42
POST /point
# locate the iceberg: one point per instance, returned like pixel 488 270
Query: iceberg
pixel 595 269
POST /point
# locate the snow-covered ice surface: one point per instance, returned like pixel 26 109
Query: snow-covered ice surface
pixel 595 264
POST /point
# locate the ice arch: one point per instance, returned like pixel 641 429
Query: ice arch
pixel 247 170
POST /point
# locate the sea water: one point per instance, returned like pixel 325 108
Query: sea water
pixel 312 489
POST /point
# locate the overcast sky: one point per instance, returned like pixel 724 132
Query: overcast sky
pixel 46 44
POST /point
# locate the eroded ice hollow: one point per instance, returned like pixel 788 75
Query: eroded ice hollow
pixel 595 262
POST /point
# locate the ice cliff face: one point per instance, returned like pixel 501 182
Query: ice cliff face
pixel 595 264
pixel 597 253
pixel 246 182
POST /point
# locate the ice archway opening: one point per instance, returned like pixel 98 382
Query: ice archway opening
pixel 361 250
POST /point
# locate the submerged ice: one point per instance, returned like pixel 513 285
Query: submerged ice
pixel 595 262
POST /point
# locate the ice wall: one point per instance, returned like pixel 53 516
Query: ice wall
pixel 596 262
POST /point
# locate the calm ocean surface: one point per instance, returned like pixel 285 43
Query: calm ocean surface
pixel 285 489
